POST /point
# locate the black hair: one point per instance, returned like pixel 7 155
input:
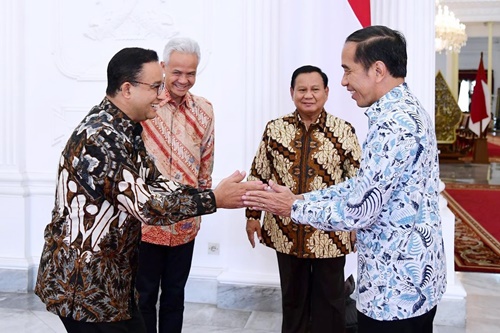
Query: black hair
pixel 126 66
pixel 380 43
pixel 308 69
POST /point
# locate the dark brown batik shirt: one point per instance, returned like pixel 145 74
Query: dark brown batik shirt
pixel 305 160
pixel 107 186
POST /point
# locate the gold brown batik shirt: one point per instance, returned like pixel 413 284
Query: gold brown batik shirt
pixel 305 160
pixel 107 186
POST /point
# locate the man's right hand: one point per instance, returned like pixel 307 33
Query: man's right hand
pixel 229 192
pixel 276 199
pixel 253 226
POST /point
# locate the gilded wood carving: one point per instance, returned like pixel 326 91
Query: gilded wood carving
pixel 448 114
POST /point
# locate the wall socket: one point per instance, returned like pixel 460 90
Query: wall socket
pixel 213 248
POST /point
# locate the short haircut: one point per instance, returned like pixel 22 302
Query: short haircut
pixel 182 45
pixel 308 69
pixel 126 66
pixel 380 43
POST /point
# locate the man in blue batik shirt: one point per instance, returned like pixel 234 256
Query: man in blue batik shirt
pixel 393 201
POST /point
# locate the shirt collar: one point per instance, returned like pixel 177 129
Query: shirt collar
pixel 375 110
pixel 120 119
pixel 186 100
pixel 320 121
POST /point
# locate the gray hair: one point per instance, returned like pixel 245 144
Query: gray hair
pixel 182 45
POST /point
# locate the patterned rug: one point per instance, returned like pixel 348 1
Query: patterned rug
pixel 476 250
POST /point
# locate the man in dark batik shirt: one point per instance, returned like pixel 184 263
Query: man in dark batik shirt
pixel 107 186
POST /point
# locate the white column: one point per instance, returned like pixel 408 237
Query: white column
pixel 415 19
pixel 453 74
pixel 260 105
pixel 262 70
pixel 419 31
pixel 13 263
pixel 490 54
pixel 11 103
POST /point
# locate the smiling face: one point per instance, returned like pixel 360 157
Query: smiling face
pixel 361 83
pixel 180 74
pixel 309 95
pixel 144 97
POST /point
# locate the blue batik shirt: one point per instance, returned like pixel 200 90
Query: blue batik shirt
pixel 393 205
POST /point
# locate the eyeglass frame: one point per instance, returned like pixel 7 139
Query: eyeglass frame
pixel 159 87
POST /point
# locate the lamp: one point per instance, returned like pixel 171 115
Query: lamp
pixel 450 33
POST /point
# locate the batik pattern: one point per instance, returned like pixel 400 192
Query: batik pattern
pixel 107 186
pixel 305 160
pixel 181 140
pixel 393 203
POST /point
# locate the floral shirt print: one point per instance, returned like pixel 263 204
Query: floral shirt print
pixel 305 160
pixel 393 205
pixel 107 186
pixel 181 140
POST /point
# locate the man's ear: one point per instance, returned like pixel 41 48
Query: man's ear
pixel 291 92
pixel 125 89
pixel 380 70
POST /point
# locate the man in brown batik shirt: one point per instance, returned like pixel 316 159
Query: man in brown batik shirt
pixel 306 150
pixel 107 186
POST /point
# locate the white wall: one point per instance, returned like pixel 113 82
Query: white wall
pixel 53 61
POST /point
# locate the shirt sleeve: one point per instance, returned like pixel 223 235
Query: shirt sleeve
pixel 207 157
pixel 353 154
pixel 260 170
pixel 357 202
pixel 125 183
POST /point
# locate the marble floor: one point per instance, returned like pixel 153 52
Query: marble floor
pixel 23 313
pixel 470 173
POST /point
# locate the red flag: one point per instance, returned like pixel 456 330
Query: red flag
pixel 361 9
pixel 478 109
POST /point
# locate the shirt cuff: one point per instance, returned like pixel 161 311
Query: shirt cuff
pixel 297 209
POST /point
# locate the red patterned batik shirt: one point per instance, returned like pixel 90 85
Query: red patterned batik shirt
pixel 181 141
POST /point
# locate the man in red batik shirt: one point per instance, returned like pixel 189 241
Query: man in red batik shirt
pixel 181 140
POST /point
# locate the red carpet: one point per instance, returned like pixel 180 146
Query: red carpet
pixel 481 204
pixel 493 150
pixel 477 226
pixel 495 139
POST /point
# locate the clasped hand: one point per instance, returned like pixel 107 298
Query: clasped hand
pixel 275 199
pixel 229 192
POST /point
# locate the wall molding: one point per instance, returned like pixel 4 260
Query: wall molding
pixel 106 28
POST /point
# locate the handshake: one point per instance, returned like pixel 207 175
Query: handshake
pixel 232 192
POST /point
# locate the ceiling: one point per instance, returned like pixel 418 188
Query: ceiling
pixel 475 14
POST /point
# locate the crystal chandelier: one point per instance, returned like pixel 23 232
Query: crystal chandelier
pixel 450 33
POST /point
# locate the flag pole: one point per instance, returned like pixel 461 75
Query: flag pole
pixel 481 122
pixel 480 143
pixel 490 57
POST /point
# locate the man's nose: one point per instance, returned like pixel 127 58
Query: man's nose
pixel 344 81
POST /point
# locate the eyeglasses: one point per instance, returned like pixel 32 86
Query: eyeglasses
pixel 159 87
